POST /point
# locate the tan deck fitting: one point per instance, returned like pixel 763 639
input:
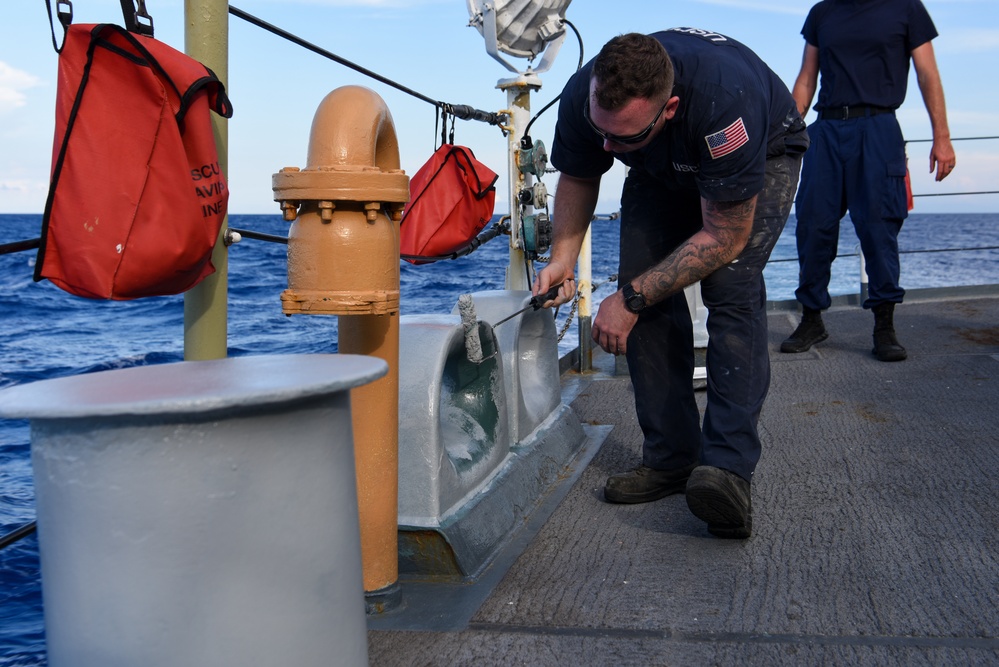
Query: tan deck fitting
pixel 343 259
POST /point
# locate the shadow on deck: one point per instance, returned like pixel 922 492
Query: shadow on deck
pixel 876 538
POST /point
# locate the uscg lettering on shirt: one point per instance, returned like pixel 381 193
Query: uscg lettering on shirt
pixel 685 168
pixel 725 141
pixel 706 34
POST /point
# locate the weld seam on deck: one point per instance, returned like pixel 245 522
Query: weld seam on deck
pixel 982 643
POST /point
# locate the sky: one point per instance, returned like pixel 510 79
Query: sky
pixel 427 46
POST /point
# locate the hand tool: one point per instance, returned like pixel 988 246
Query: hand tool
pixel 535 303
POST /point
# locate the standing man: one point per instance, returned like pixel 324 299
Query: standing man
pixel 714 143
pixel 857 158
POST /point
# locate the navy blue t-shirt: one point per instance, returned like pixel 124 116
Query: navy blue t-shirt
pixel 864 49
pixel 734 112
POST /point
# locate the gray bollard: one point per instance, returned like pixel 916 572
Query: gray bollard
pixel 199 513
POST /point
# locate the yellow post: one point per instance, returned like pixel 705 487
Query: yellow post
pixel 343 259
pixel 206 39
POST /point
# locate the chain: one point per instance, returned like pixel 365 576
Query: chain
pixel 568 320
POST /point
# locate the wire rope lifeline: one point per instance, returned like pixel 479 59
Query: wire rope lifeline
pixel 18 534
pixel 462 111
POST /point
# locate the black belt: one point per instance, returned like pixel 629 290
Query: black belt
pixel 846 113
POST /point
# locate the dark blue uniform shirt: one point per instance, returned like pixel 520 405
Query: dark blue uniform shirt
pixel 864 49
pixel 734 113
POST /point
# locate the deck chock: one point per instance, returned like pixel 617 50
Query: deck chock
pixel 480 441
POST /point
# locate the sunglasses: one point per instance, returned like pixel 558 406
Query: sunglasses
pixel 615 139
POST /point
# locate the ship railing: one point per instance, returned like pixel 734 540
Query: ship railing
pixel 581 309
pixel 499 119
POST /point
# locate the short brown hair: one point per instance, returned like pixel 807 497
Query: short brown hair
pixel 630 66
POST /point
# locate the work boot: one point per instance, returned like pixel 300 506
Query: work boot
pixel 809 332
pixel 721 499
pixel 886 345
pixel 645 484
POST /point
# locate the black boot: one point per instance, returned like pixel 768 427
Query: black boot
pixel 721 499
pixel 809 332
pixel 886 346
pixel 645 484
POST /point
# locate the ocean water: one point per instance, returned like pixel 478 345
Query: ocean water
pixel 47 333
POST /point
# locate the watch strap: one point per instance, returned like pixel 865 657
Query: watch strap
pixel 633 300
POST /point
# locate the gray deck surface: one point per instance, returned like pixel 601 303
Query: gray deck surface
pixel 876 538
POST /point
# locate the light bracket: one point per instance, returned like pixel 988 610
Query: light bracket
pixel 522 28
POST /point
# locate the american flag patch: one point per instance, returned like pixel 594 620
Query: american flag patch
pixel 727 140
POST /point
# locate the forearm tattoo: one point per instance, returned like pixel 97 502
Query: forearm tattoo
pixel 726 230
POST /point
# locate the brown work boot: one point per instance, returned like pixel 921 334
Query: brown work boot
pixel 645 484
pixel 886 345
pixel 809 332
pixel 721 499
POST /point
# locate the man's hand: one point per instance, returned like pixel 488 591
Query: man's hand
pixel 613 323
pixel 555 273
pixel 942 158
pixel 928 77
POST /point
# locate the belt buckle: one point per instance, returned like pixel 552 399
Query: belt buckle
pixel 846 113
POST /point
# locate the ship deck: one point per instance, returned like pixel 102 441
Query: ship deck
pixel 876 538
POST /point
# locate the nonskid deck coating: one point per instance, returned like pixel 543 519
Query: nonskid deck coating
pixel 876 539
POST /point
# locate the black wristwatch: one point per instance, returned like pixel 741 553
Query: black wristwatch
pixel 633 301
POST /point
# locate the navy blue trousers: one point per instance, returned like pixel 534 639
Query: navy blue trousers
pixel 856 165
pixel 654 221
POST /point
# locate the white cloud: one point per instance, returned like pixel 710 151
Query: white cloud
pixel 22 194
pixel 20 186
pixel 12 83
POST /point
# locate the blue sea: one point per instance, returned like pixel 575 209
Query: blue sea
pixel 47 333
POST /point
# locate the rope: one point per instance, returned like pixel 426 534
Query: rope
pixel 459 110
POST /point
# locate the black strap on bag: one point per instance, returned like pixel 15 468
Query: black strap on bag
pixel 131 15
pixel 64 10
pixel 456 152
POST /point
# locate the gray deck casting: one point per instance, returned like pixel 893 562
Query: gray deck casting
pixel 876 537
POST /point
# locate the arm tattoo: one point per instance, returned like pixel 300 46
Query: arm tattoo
pixel 725 232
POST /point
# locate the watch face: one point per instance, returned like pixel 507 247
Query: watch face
pixel 633 300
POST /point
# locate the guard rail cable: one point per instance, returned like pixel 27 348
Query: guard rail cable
pixel 501 228
pixel 18 534
pixel 461 111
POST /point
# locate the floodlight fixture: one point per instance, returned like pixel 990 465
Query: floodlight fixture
pixel 522 28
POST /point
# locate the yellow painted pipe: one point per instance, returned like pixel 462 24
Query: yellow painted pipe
pixel 206 308
pixel 343 259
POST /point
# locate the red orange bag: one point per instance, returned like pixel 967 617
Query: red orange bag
pixel 137 198
pixel 451 199
pixel 910 202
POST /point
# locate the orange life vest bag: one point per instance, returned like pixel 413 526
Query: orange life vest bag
pixel 451 199
pixel 137 198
